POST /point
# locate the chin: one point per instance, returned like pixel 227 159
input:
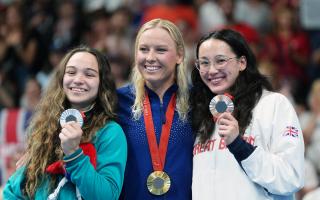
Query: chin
pixel 217 90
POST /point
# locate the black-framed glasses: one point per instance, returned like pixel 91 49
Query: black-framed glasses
pixel 203 65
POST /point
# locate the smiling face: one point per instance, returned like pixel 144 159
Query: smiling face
pixel 81 80
pixel 220 78
pixel 157 57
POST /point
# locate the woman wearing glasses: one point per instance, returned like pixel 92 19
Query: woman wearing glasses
pixel 249 143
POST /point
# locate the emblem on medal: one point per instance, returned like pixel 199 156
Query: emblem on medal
pixel 71 115
pixel 220 104
pixel 158 183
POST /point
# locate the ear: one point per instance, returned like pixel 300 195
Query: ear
pixel 180 56
pixel 243 63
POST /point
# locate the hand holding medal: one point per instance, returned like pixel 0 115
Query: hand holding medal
pixel 221 107
pixel 71 133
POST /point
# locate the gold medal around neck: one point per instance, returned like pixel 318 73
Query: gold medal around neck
pixel 220 104
pixel 158 183
pixel 71 115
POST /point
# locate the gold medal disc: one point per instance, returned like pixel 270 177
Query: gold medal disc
pixel 158 183
pixel 220 104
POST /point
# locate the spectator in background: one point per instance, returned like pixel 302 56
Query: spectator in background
pixel 99 28
pixel 256 13
pixel 43 76
pixel 120 69
pixel 210 16
pixel 7 91
pixel 31 95
pixel 288 47
pixel 19 55
pixel 119 41
pixel 310 122
pixel 67 28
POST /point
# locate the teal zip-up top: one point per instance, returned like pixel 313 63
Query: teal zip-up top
pixel 104 182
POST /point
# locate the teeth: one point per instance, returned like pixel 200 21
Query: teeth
pixel 216 80
pixel 77 89
pixel 152 68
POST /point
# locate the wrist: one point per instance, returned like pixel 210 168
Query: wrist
pixel 73 156
pixel 71 151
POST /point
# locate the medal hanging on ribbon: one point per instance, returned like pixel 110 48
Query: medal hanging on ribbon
pixel 220 104
pixel 158 182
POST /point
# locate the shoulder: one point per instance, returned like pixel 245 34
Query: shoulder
pixel 126 96
pixel 273 103
pixel 111 130
pixel 273 98
pixel 126 90
pixel 14 184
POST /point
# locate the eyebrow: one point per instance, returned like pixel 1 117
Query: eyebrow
pixel 217 56
pixel 86 68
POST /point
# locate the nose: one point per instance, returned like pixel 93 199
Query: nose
pixel 150 56
pixel 213 68
pixel 79 78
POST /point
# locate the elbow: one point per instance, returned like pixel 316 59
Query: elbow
pixel 289 186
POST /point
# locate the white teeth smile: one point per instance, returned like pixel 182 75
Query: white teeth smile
pixel 77 89
pixel 152 68
pixel 215 80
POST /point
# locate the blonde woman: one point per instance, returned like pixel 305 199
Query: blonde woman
pixel 68 161
pixel 153 112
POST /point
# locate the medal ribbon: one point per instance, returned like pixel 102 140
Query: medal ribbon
pixel 158 155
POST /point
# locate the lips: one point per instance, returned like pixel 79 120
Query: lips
pixel 216 79
pixel 152 68
pixel 73 89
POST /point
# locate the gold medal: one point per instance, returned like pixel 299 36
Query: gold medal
pixel 158 183
pixel 220 104
pixel 71 115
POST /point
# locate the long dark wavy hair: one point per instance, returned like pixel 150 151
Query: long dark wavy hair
pixel 43 140
pixel 246 90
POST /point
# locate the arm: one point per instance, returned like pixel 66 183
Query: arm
pixel 12 189
pixel 104 182
pixel 278 163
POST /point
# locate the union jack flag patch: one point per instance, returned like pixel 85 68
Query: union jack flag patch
pixel 291 131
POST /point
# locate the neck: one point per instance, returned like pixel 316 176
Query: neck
pixel 86 109
pixel 159 89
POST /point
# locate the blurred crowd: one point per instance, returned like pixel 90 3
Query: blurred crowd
pixel 35 34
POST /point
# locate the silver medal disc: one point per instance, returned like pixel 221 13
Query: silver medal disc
pixel 71 115
pixel 220 104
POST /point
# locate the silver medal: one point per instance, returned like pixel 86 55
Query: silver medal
pixel 71 115
pixel 220 104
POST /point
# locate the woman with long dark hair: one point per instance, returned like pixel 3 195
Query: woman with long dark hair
pixel 249 142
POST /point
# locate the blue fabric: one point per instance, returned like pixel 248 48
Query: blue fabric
pixel 178 163
pixel 240 149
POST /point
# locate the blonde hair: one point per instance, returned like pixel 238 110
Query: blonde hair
pixel 182 102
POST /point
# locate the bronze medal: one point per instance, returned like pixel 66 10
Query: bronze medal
pixel 158 183
pixel 220 104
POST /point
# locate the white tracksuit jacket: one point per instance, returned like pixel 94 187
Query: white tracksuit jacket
pixel 274 170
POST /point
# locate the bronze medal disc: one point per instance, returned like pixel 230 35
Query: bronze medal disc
pixel 158 183
pixel 220 104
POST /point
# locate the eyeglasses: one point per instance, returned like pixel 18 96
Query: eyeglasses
pixel 203 65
